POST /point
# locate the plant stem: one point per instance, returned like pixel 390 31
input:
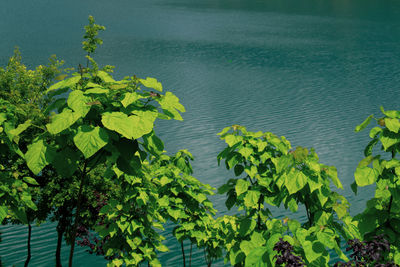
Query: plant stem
pixel 77 214
pixel 183 254
pixel 28 258
pixel 308 213
pixel 58 249
pixel 258 214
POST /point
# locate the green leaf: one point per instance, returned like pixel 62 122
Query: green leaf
pixel 65 83
pixel 251 170
pixel 257 239
pixel 152 83
pixel 255 258
pixel 354 187
pixel 22 127
pixel 224 188
pixel 236 256
pixel 238 169
pixel 374 131
pixel 391 113
pixel 247 247
pixel 282 163
pixel 107 78
pixel 77 101
pixel 174 213
pixel 272 240
pixel 130 98
pixel 392 124
pixel 39 155
pixel 251 199
pixel 365 161
pixel 224 131
pixel 295 181
pixel 370 146
pixel 3 118
pixel 328 239
pixel 365 176
pixel 132 127
pixel 245 152
pixel 313 250
pixel 20 214
pixel 67 162
pixel 169 102
pixel 27 201
pixel 332 172
pixel 292 204
pixel 246 226
pixel 3 213
pixel 364 124
pixel 153 143
pixel 96 90
pixel 293 225
pixel 30 180
pixel 62 121
pixel 241 186
pixel 90 139
pixel 388 140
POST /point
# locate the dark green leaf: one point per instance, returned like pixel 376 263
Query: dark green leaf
pixel 238 169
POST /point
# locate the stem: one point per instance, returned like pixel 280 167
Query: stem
pixel 28 258
pixel 308 213
pixel 77 214
pixel 390 206
pixel 183 254
pixel 58 249
pixel 190 257
pixel 258 214
pixel 391 197
pixel 87 61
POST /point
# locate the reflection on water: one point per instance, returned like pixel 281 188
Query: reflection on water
pixel 309 70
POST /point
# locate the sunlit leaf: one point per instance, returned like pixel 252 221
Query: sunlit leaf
pixel 39 155
pixel 151 83
pixel 364 124
pixel 77 101
pixel 90 139
pixel 392 124
pixel 62 121
pixel 365 176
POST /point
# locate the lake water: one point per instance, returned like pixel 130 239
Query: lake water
pixel 308 70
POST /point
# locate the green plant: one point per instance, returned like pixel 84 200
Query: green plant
pixel 274 175
pixel 382 214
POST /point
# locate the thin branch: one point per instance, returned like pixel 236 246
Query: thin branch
pixel 77 214
pixel 183 254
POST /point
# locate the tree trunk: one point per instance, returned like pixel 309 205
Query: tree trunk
pixel 77 215
pixel 58 249
pixel 28 258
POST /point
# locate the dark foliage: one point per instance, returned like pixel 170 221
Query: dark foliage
pixel 285 256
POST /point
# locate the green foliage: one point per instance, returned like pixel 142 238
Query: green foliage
pixel 382 214
pixel 271 173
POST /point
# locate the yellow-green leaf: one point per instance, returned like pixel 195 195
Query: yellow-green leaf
pixel 90 139
pixel 152 83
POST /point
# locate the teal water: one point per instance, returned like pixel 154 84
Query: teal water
pixel 308 70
